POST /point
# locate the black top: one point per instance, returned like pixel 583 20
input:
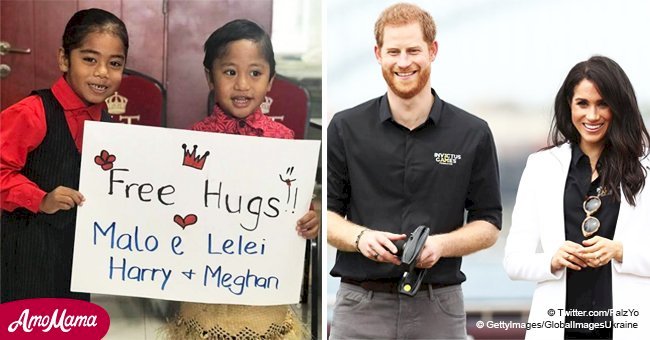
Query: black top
pixel 589 288
pixel 36 252
pixel 383 176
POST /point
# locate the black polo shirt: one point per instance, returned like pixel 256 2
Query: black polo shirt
pixel 383 176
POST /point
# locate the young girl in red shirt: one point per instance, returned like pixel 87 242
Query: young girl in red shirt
pixel 41 140
pixel 240 66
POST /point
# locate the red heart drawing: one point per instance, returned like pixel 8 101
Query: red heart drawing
pixel 187 221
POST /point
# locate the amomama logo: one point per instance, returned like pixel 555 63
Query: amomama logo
pixel 446 158
pixel 49 318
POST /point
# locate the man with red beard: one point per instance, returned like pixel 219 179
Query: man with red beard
pixel 394 163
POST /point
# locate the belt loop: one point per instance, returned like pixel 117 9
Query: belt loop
pixel 430 287
pixel 369 295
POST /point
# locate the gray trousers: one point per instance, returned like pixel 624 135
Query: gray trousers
pixel 430 314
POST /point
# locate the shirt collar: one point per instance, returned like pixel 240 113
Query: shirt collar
pixel 577 155
pixel 70 101
pixel 434 113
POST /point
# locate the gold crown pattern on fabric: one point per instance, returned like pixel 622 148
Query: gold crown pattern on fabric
pixel 116 104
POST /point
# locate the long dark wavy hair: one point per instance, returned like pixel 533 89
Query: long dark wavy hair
pixel 627 139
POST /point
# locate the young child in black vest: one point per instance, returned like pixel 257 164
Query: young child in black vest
pixel 41 140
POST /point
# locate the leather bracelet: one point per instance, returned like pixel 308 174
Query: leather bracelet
pixel 356 243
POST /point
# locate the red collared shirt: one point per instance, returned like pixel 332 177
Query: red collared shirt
pixel 256 124
pixel 22 129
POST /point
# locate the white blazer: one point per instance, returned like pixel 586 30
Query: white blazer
pixel 538 220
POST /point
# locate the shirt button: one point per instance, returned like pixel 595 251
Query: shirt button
pixel 242 123
pixel 29 202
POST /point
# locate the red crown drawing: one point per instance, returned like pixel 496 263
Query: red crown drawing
pixel 192 160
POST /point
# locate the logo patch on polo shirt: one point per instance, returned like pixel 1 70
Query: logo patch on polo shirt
pixel 446 158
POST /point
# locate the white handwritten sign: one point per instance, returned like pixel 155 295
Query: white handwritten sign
pixel 192 216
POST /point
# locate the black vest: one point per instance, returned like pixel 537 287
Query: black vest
pixel 37 249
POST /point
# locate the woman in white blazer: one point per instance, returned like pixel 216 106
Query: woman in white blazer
pixel 581 222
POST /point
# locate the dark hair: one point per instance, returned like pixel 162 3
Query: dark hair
pixel 89 21
pixel 626 139
pixel 217 44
